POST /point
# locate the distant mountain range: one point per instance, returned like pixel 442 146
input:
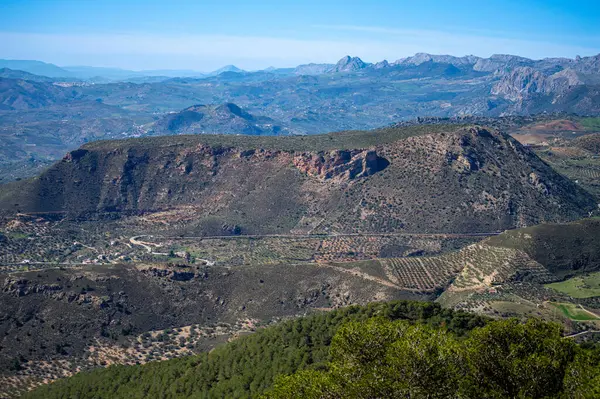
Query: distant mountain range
pixel 36 67
pixel 497 63
pixel 59 108
pixel 102 74
pixel 22 75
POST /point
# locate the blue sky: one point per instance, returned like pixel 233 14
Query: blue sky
pixel 204 35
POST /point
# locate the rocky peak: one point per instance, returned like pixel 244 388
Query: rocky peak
pixel 313 69
pixel 421 58
pixel 508 58
pixel 349 64
pixel 589 65
pixel 381 64
pixel 418 59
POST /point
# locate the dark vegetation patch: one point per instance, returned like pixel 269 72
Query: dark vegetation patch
pixel 248 365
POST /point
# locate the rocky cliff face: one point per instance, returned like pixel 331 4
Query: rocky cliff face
pixel 342 164
pixel 523 82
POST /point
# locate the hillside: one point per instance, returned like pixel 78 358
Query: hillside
pixel 33 137
pixel 16 94
pixel 22 75
pixel 222 119
pixel 383 350
pixel 389 180
pixel 36 68
pixel 508 275
pixel 248 365
pixel 564 249
pixel 79 308
pixel 115 299
pixel 569 145
pixel 590 142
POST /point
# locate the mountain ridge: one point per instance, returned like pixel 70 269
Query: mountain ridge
pixel 499 183
pixel 586 64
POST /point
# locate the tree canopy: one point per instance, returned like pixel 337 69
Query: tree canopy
pixel 394 359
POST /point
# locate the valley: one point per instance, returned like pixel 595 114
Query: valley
pixel 299 200
pixel 146 309
pixel 139 250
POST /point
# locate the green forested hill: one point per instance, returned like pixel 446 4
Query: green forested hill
pixel 383 350
pixel 247 366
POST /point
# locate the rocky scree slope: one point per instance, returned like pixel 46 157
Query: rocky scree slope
pixel 425 179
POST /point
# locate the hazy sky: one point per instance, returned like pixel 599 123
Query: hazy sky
pixel 204 35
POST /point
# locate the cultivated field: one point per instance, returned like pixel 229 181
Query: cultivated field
pixel 579 287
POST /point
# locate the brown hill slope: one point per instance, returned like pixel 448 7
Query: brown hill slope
pixel 589 142
pixel 418 179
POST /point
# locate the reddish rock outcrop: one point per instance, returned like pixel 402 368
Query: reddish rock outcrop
pixel 343 164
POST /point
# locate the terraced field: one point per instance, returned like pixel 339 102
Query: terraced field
pixel 39 243
pixel 591 173
pixel 420 274
pixel 485 266
pixel 477 266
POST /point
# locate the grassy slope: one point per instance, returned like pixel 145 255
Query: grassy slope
pixel 591 123
pixel 574 312
pixel 320 142
pixel 579 287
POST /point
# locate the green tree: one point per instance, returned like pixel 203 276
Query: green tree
pixel 582 378
pixel 517 360
pixel 382 359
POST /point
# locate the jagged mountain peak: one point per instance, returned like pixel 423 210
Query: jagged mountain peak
pixel 420 58
pixel 349 64
pixel 508 57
